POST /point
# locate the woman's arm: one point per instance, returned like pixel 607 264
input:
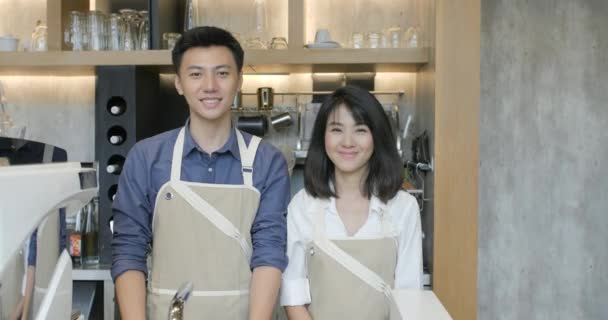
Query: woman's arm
pixel 297 313
pixel 408 272
pixel 295 293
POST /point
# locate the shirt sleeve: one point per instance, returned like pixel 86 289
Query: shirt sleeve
pixel 408 273
pixel 132 213
pixel 269 230
pixel 295 289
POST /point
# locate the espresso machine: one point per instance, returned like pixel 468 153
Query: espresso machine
pixel 32 190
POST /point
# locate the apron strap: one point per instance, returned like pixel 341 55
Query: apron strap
pixel 178 150
pixel 247 156
pixel 214 216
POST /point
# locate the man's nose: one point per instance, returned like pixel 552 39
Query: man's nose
pixel 209 83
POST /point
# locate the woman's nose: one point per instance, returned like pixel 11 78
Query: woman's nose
pixel 347 139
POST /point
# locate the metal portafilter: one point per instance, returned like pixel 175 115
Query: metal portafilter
pixel 176 306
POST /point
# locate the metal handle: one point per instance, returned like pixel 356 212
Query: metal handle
pixel 176 306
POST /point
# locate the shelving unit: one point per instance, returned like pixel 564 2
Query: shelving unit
pixel 256 61
pixel 446 90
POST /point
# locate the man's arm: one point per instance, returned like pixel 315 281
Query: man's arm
pixel 265 285
pixel 132 236
pixel 269 232
pixel 131 295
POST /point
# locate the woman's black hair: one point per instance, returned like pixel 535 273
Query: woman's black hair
pixel 205 37
pixel 385 169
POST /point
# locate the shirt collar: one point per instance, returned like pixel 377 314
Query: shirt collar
pixel 231 146
pixel 375 206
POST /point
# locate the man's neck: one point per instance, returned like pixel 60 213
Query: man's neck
pixel 210 135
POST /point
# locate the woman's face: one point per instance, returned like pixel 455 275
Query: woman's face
pixel 348 145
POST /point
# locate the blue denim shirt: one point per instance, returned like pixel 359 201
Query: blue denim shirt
pixel 148 167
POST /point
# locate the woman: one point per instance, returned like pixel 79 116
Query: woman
pixel 352 233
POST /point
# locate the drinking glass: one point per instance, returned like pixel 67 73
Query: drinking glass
pixel 395 36
pixel 374 39
pixel 357 40
pixel 96 32
pixel 39 38
pixel 278 43
pixel 74 35
pixel 144 30
pixel 115 26
pixel 169 39
pixel 129 31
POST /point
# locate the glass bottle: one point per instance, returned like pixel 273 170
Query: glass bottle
pixel 191 14
pixel 91 232
pixel 75 236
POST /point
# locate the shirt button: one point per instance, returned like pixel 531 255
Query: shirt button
pixel 210 169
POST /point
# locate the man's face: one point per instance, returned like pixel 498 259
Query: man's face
pixel 208 78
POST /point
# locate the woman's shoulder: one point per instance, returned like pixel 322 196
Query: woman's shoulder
pixel 403 206
pixel 303 203
pixel 302 200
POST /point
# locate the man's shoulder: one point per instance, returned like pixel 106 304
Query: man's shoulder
pixel 156 144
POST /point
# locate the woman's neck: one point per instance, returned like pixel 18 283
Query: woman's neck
pixel 349 185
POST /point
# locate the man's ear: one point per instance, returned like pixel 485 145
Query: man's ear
pixel 178 85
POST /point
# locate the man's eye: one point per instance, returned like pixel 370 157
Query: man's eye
pixel 223 74
pixel 195 74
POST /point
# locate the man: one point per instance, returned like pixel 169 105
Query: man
pixel 205 201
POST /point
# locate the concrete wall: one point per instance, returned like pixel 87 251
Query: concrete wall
pixel 543 222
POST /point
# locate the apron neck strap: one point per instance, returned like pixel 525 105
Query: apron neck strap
pixel 247 156
pixel 178 150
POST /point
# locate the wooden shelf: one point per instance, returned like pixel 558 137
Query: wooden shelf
pixel 256 61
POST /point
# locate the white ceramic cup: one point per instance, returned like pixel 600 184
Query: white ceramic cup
pixel 322 35
pixel 8 43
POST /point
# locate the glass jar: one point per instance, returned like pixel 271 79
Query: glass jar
pixel 39 38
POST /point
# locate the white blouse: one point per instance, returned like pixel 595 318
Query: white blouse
pixel 405 218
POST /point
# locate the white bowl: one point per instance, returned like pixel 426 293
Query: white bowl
pixel 8 44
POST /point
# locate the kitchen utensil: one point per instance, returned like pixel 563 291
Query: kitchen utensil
pixel 256 125
pixel 281 120
pixel 237 103
pixel 265 98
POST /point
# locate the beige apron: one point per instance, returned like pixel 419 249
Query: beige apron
pixel 352 279
pixel 202 234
